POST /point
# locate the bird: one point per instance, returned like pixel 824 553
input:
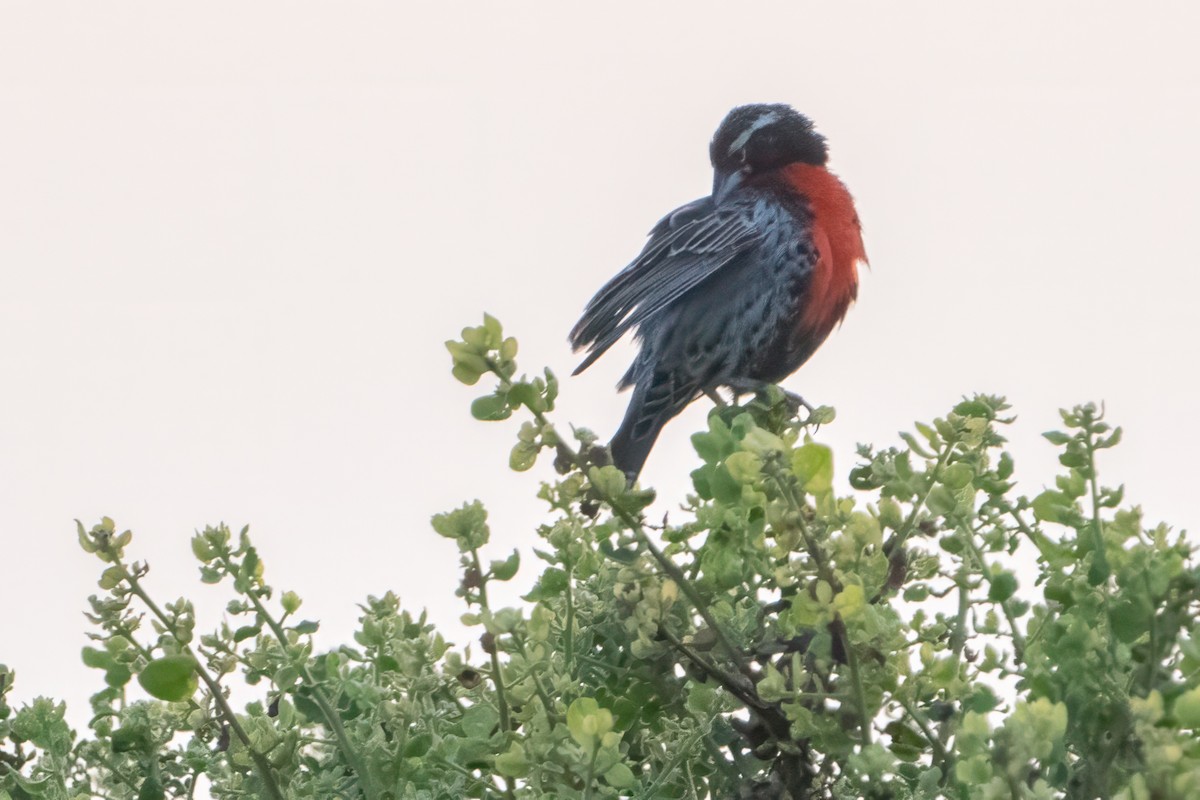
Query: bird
pixel 735 290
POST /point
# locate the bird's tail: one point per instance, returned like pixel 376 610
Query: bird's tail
pixel 629 451
pixel 649 409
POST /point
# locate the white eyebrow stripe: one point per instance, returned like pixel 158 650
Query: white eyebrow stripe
pixel 758 124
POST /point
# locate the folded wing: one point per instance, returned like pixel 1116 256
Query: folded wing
pixel 684 249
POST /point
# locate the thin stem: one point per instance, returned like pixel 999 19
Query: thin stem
pixel 261 765
pixel 730 682
pixel 734 768
pixel 899 537
pixel 679 754
pixel 668 566
pixel 1018 639
pixel 939 750
pixel 115 770
pixel 1094 485
pixel 591 773
pixel 860 695
pixel 497 676
pixel 796 505
pixel 676 574
pixel 332 718
pixel 1039 539
pixel 958 640
pixel 569 626
pixel 635 525
pixel 542 694
pixel 1153 662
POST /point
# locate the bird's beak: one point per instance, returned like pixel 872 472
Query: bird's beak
pixel 723 184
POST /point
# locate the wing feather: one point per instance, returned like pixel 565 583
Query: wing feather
pixel 685 248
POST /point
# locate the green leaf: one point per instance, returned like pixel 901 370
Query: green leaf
pixel 552 583
pixel 610 482
pixel 111 577
pixel 417 746
pixel 1187 709
pixel 493 332
pixel 523 456
pixel 117 676
pixel 524 394
pixel 469 365
pixel 170 678
pixel 850 601
pixel 512 762
pixel 813 465
pixel 915 446
pixel 723 487
pixel 744 467
pixel 974 408
pixel 724 566
pixel 246 632
pixel 587 722
pixel 905 736
pixel 131 738
pixel 620 776
pixel 465 374
pixel 717 443
pixel 1002 587
pixel 97 659
pixel 822 415
pixel 957 475
pixel 772 687
pixel 1099 570
pixel 941 501
pixel 85 541
pixel 506 569
pixel 285 677
pixel 1004 468
pixel 982 700
pixel 467 525
pixel 1052 506
pixel 479 721
pixel 152 789
pixel 491 408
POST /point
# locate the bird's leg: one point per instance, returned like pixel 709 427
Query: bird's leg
pixel 716 398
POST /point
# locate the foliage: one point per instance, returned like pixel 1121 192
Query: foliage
pixel 778 640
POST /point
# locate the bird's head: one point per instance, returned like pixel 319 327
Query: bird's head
pixel 758 138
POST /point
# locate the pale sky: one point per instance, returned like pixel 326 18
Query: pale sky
pixel 233 237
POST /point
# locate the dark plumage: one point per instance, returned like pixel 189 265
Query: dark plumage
pixel 736 289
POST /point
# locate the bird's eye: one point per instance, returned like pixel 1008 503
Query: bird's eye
pixel 746 170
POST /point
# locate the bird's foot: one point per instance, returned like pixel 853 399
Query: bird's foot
pixel 794 401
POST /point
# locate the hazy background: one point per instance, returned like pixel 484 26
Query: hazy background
pixel 234 236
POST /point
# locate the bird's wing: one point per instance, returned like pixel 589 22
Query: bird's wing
pixel 685 247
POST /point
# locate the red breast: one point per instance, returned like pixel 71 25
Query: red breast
pixel 837 234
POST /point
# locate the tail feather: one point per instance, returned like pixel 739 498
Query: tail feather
pixel 656 399
pixel 631 444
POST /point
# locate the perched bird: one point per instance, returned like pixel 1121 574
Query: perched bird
pixel 733 290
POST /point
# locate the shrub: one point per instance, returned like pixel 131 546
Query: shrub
pixel 777 641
